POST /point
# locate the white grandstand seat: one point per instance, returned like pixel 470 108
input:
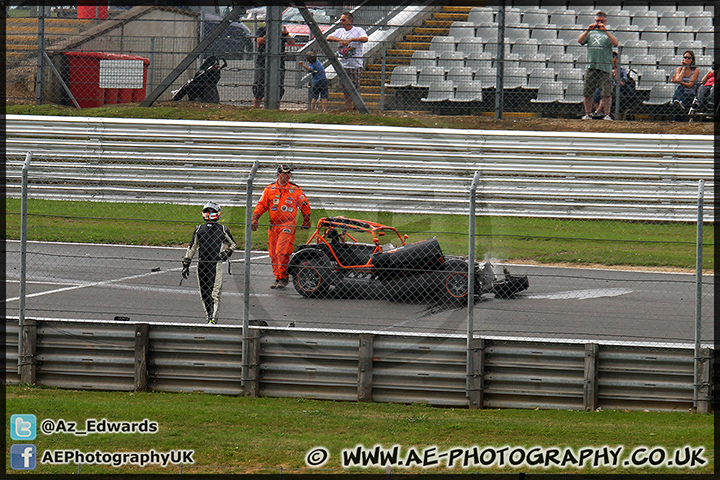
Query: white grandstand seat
pixel 694 45
pixel 663 8
pixel 460 30
pixel 569 76
pixel 561 16
pixel 469 45
pixel 541 33
pixel 573 93
pixel 527 49
pixel 699 19
pixel 549 92
pixel 569 33
pixel 486 30
pixel 643 61
pixel 681 34
pixel 481 14
pixel 660 94
pixel 448 60
pixel 539 17
pixel 513 15
pixel 644 19
pixel 428 75
pixel 704 60
pixel 653 34
pixel 468 92
pixel 403 76
pixel 539 75
pixel 619 21
pixel 511 60
pixel 668 63
pixel 691 7
pixel 651 78
pixel 672 19
pixel 440 91
pixel 561 61
pixel 479 61
pixel 705 35
pixel 442 44
pixel 514 77
pixel 549 47
pixel 517 31
pixel 460 75
pixel 575 49
pixel 636 9
pixel 632 48
pixel 488 77
pixel 627 33
pixel 581 61
pixel 423 58
pixel 660 49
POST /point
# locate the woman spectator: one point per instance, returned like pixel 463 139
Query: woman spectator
pixel 686 76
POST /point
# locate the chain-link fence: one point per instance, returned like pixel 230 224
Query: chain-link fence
pixel 441 59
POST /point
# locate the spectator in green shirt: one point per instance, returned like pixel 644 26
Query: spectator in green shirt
pixel 600 42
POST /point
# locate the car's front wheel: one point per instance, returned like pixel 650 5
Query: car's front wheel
pixel 312 277
pixel 454 287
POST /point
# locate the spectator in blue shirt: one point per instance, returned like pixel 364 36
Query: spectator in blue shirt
pixel 319 80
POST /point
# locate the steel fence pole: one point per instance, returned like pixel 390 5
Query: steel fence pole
pixel 40 77
pixel 471 284
pixel 500 72
pixel 23 255
pixel 698 292
pixel 246 285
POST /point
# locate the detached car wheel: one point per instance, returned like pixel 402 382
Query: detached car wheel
pixel 312 277
pixel 454 287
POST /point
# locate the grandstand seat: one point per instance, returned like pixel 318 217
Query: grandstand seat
pixel 660 94
pixel 560 61
pixel 575 49
pixel 468 92
pixel 549 92
pixel 668 63
pixel 636 9
pixel 544 32
pixel 704 60
pixel 460 75
pixel 481 14
pixel 569 76
pixel 573 93
pixel 550 46
pixel 514 77
pixel 659 48
pixel 536 18
pixel 627 33
pixel 440 91
pixel 562 16
pixel 643 61
pixel 513 15
pixel 488 77
pixel 527 49
pixel 681 34
pixel 705 35
pixel 585 17
pixel 403 76
pixel 442 44
pixel 699 19
pixel 637 47
pixel 581 61
pixel 427 75
pixel 569 34
pixel 672 19
pixel 645 19
pixel 460 30
pixel 662 8
pixel 511 60
pixel 423 58
pixel 651 77
pixel 479 61
pixel 517 31
pixel 486 30
pixel 448 60
pixel 691 8
pixel 652 34
pixel 694 45
pixel 470 45
pixel 539 75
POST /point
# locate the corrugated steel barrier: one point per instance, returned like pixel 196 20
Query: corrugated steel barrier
pixel 358 366
pixel 366 168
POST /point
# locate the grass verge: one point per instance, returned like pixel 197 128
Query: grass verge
pixel 273 435
pixel 542 240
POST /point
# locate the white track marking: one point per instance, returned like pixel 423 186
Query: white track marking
pixel 580 294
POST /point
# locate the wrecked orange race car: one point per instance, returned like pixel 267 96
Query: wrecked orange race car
pixel 349 257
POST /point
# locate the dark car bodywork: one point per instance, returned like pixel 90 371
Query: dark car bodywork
pixel 336 262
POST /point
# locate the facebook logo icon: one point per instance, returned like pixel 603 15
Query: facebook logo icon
pixel 23 457
pixel 23 427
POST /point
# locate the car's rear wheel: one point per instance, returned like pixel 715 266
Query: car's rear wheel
pixel 454 287
pixel 312 277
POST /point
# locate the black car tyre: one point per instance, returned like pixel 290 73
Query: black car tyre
pixel 510 286
pixel 312 277
pixel 454 286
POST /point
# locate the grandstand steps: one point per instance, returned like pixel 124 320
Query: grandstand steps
pixel 409 46
pixel 21 40
pixel 418 38
pixel 432 31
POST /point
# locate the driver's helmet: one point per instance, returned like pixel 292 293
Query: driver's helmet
pixel 211 212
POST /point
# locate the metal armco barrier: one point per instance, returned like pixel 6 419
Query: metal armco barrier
pixel 370 366
pixel 394 169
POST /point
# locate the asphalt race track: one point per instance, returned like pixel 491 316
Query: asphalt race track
pixel 101 282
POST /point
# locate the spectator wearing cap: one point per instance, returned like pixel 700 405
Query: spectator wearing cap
pixel 282 200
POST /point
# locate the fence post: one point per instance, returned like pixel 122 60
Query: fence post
pixel 365 368
pixel 246 286
pixel 28 365
pixel 40 76
pixel 470 372
pixel 698 293
pixel 590 382
pixel 476 377
pixel 705 375
pixel 251 362
pixel 23 254
pixel 500 74
pixel 142 347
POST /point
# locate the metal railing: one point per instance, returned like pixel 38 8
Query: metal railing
pixel 540 174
